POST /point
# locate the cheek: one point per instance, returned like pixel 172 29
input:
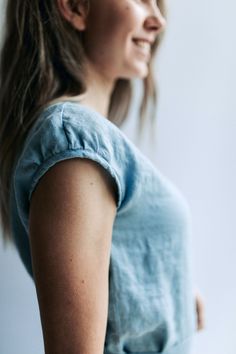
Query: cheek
pixel 125 20
pixel 109 34
pixel 116 22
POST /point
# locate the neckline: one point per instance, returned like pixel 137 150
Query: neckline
pixel 81 106
pixel 62 102
pixel 86 108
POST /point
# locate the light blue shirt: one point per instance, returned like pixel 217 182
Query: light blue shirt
pixel 151 300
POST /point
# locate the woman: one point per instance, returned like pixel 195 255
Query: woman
pixel 103 234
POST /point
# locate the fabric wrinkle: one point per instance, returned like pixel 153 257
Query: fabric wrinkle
pixel 151 306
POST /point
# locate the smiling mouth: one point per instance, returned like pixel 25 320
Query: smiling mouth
pixel 143 47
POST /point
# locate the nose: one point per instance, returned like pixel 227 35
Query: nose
pixel 154 22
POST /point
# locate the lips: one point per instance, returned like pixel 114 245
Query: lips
pixel 142 43
pixel 143 47
pixel 148 40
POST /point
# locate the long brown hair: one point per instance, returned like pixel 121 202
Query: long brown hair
pixel 41 59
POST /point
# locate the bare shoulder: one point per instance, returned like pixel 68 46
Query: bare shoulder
pixel 73 195
pixel 76 182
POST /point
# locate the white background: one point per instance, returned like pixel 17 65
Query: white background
pixel 195 148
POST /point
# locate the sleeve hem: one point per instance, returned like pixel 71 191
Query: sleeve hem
pixel 68 154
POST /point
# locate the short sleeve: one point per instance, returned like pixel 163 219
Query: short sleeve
pixel 67 131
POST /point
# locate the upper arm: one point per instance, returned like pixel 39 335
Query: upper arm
pixel 72 211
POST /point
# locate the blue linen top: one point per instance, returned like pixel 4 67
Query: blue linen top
pixel 151 301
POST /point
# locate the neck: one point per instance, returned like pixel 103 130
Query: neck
pixel 98 93
pixel 99 90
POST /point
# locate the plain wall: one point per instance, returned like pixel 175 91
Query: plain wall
pixel 195 148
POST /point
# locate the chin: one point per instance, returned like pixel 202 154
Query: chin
pixel 140 73
pixel 143 74
pixel 139 68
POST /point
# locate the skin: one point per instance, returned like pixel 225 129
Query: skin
pixel 108 29
pixel 73 206
pixel 200 311
pixel 70 223
pixel 72 211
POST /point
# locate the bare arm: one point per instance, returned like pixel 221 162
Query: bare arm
pixel 72 212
